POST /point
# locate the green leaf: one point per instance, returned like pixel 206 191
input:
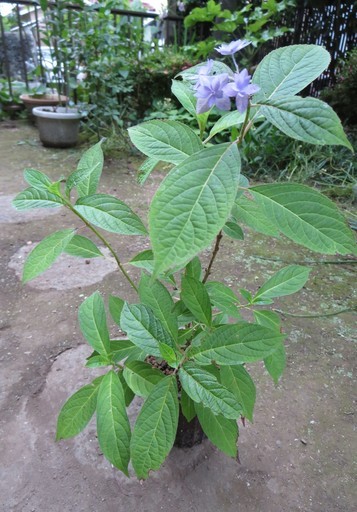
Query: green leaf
pixel 238 380
pixel 37 179
pixel 306 217
pixel 195 296
pixel 187 406
pixel 93 323
pixel 286 281
pixel 250 213
pixel 233 230
pixel 307 119
pixel 192 205
pixel 185 94
pixel 128 393
pixel 157 297
pixel 203 387
pixel 227 121
pixel 45 253
pixel 194 268
pixel 169 141
pixel 78 410
pixel 141 377
pixel 276 362
pixel 97 361
pixel 221 431
pixel 112 422
pixel 236 344
pixel 144 329
pixel 89 170
pixel 35 198
pixel 121 349
pixel 144 260
pixel 155 428
pixel 146 169
pixel 109 213
pixel 116 305
pixel 288 70
pixel 82 247
pixel 223 298
pixel 267 318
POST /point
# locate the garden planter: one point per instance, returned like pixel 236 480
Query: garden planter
pixel 58 128
pixel 41 100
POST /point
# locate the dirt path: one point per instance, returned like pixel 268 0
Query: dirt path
pixel 297 456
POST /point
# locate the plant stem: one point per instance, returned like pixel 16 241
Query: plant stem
pixel 332 313
pixel 105 242
pixel 213 257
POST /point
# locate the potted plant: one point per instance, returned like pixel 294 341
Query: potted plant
pixel 186 344
pixel 58 125
pixel 40 95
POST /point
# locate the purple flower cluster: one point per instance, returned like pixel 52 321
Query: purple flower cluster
pixel 217 90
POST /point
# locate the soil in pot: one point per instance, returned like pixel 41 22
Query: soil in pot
pixel 188 433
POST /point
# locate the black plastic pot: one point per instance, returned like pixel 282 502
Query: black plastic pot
pixel 188 433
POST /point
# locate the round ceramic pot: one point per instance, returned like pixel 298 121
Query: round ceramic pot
pixel 58 127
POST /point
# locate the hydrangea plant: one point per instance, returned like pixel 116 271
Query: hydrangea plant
pixel 186 343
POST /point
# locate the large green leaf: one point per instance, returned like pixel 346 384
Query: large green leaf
pixel 88 172
pixel 236 344
pixel 155 295
pixel 286 281
pixel 248 211
pixel 221 431
pixel 45 253
pixel 112 422
pixel 307 119
pixel 141 377
pixel 306 217
pixel 288 70
pixel 169 141
pixel 36 198
pixel 121 349
pixel 192 205
pixel 276 362
pixel 195 296
pixel 203 387
pixel 93 323
pixel 82 247
pixel 37 179
pixel 155 428
pixel 238 380
pixel 111 214
pixel 223 298
pixel 78 410
pixel 146 169
pixel 144 329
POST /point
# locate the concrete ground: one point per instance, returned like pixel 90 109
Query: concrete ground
pixel 299 454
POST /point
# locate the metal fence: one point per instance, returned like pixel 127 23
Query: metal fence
pixel 328 23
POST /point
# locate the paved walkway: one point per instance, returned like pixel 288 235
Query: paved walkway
pixel 297 456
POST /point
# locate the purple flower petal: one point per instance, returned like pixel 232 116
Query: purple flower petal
pixel 242 103
pixel 232 47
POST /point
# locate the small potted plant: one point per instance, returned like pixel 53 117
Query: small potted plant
pixel 39 95
pixel 186 344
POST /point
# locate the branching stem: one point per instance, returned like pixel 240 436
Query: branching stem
pixel 213 257
pixel 105 242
